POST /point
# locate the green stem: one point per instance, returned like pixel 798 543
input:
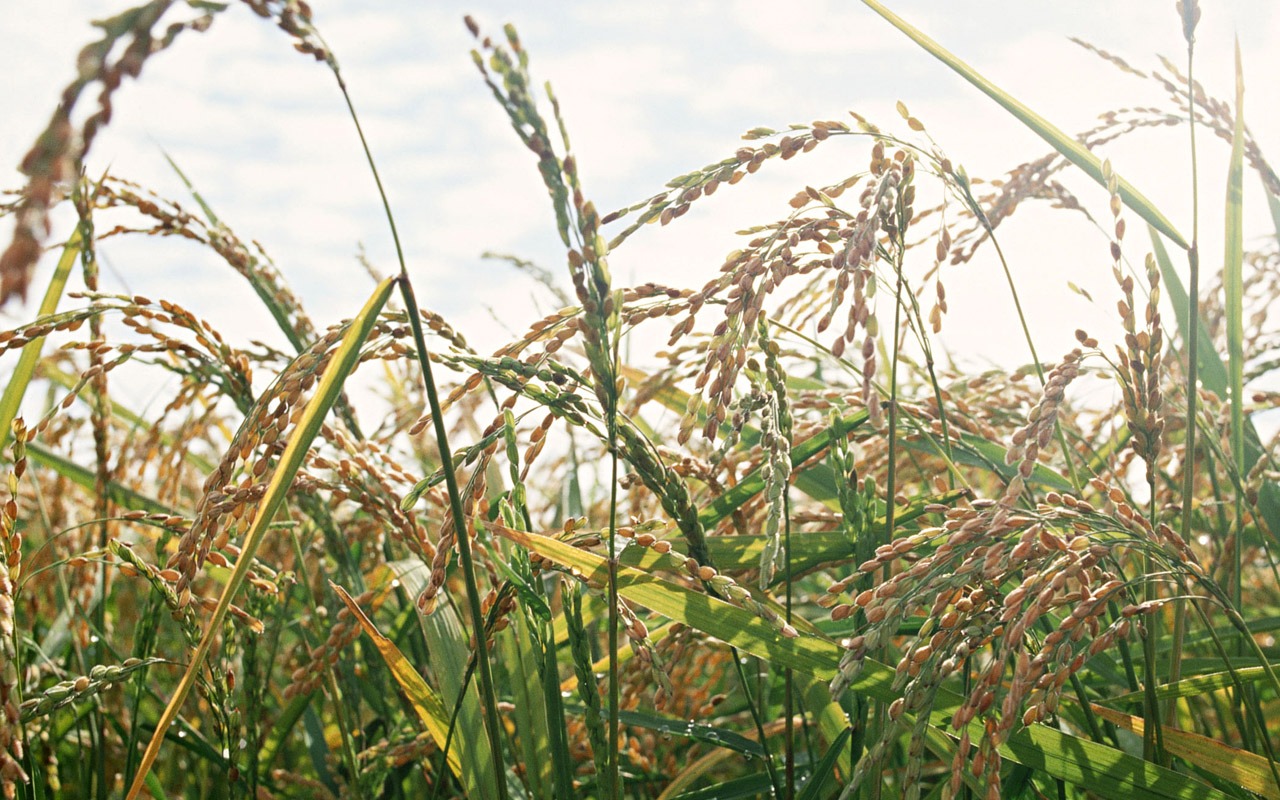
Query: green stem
pixel 1026 334
pixel 787 701
pixel 614 778
pixel 775 786
pixel 1153 734
pixel 487 692
pixel 1191 342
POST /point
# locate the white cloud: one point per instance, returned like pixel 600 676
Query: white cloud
pixel 649 91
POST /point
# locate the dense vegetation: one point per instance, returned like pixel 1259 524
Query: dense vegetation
pixel 756 562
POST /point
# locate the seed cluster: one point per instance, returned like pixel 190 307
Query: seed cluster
pixel 1029 440
pixel 227 505
pixel 308 677
pixel 11 736
pixel 61 148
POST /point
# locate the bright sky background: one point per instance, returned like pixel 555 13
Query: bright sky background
pixel 650 90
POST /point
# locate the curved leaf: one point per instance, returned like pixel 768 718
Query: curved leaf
pixel 344 360
pixel 1070 149
pixel 425 702
pixel 1249 771
pixel 22 373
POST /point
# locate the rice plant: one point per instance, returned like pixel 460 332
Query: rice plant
pixel 795 553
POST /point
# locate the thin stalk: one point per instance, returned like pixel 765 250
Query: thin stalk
pixel 1238 622
pixel 1191 343
pixel 787 677
pixel 890 505
pixel 355 785
pixel 446 459
pixel 1013 290
pixel 613 788
pixel 775 786
pixel 922 336
pixel 1126 658
pixel 100 418
pixel 331 680
pixel 487 691
pixel 1026 333
pixel 1091 720
pixel 1152 731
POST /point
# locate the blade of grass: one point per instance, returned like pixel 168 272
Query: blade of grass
pixel 817 481
pixel 822 773
pixel 976 451
pixel 1233 283
pixel 492 724
pixel 671 726
pixel 748 786
pixel 83 477
pixel 1200 684
pixel 521 660
pixel 282 314
pixel 344 360
pixel 1070 149
pixel 14 391
pixel 66 380
pixel 424 701
pixel 707 765
pixel 447 644
pixel 1246 770
pixel 1212 372
pixel 753 483
pixel 810 550
pixel 1273 205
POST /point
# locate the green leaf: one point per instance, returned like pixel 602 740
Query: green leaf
pixel 717 737
pixel 1213 373
pixel 725 621
pixel 1233 275
pixel 282 312
pixel 1249 771
pixel 531 599
pixel 122 412
pixel 424 701
pixel 344 360
pixel 812 788
pixel 974 451
pixel 1197 685
pixel 85 478
pixel 808 550
pixel 1070 149
pixel 753 483
pixel 817 482
pixel 14 391
pixel 447 643
pixel 744 788
pixel 1273 205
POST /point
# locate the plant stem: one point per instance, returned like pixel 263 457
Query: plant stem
pixel 1191 344
pixel 788 678
pixel 1153 735
pixel 487 692
pixel 614 778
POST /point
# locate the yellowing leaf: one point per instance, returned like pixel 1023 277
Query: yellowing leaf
pixel 425 702
pixel 1247 770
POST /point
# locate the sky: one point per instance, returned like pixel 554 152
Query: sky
pixel 649 91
